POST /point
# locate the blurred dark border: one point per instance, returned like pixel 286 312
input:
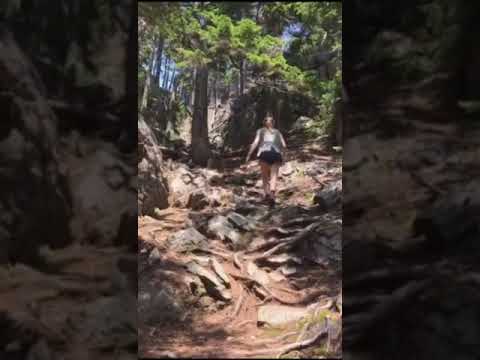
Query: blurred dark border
pixel 411 184
pixel 68 169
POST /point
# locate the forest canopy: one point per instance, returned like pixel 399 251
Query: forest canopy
pixel 226 50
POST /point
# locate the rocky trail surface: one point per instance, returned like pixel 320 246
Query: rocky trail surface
pixel 222 274
pixel 82 308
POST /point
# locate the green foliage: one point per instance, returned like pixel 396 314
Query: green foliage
pixel 230 37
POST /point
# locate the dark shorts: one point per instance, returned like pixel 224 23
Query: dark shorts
pixel 271 157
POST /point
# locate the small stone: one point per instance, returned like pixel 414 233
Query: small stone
pixel 287 169
pixel 195 285
pixel 288 270
pixel 154 255
pixel 197 200
pixel 206 301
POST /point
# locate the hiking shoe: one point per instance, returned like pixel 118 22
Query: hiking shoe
pixel 271 201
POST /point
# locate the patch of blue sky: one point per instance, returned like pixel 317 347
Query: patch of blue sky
pixel 287 34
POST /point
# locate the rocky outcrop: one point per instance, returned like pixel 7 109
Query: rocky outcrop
pixel 152 186
pixel 35 203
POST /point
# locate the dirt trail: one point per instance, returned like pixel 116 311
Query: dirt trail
pixel 292 258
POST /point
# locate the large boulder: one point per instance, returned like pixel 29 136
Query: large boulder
pixel 34 201
pixel 103 193
pixel 152 186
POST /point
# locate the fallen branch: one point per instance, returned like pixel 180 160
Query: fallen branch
pixel 238 304
pixel 267 244
pixel 272 251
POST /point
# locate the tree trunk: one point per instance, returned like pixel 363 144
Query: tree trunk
pixel 215 91
pixel 158 67
pixel 171 76
pixel 146 87
pixel 259 5
pixel 190 95
pixel 165 76
pixel 172 80
pixel 242 76
pixel 200 143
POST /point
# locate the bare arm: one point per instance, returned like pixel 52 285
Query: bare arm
pixel 253 146
pixel 284 144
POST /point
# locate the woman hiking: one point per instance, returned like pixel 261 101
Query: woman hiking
pixel 270 144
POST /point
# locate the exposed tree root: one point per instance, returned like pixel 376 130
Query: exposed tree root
pixel 245 322
pixel 237 262
pixel 238 304
pixel 302 344
pixel 287 348
pixel 220 254
pixel 270 252
pixel 276 339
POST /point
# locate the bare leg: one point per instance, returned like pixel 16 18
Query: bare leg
pixel 274 177
pixel 265 168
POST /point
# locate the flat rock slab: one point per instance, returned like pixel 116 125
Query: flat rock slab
pixel 212 283
pixel 187 240
pixel 279 315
